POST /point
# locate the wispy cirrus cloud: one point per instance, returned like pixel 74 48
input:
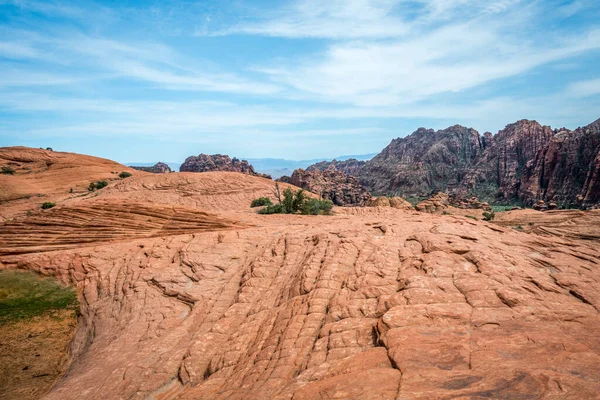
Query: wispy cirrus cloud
pixel 320 72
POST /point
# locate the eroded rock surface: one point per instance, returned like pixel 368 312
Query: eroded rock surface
pixel 370 303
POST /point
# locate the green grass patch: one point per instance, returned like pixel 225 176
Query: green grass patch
pixel 26 294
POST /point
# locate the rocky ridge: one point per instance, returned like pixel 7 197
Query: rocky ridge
pixel 218 162
pixel 330 183
pixel 158 168
pixel 524 162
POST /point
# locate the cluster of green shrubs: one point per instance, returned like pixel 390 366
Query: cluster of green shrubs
pixel 125 174
pixel 8 170
pixel 261 202
pixel 97 185
pixel 293 203
pixel 47 205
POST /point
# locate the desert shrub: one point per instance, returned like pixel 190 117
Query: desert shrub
pixel 317 207
pixel 47 205
pixel 260 202
pixel 97 185
pixel 298 202
pixel 472 217
pixel 273 209
pixel 125 174
pixel 489 216
pixel 29 213
pixel 8 170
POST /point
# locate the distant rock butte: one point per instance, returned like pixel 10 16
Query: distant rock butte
pixel 330 183
pixel 218 162
pixel 158 168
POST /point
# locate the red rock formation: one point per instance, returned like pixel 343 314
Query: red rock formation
pixel 423 162
pixel 435 204
pixel 330 184
pixel 394 202
pixel 158 168
pixel 218 162
pixel 497 173
pixel 567 170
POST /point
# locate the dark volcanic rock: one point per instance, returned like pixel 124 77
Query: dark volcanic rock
pixel 423 162
pixel 567 170
pixel 218 162
pixel 158 168
pixel 498 172
pixel 330 184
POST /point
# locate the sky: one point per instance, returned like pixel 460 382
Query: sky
pixel 143 81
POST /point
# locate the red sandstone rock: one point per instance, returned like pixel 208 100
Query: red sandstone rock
pixel 218 162
pixel 158 168
pixel 330 184
pixel 210 300
pixel 567 170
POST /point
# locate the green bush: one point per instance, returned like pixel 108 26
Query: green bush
pixel 317 207
pixel 489 216
pixel 125 174
pixel 261 201
pixel 8 170
pixel 294 203
pixel 273 209
pixel 97 185
pixel 48 205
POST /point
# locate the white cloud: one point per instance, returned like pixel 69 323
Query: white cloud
pixel 584 88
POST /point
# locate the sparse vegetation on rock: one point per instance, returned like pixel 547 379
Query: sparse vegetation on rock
pixel 97 185
pixel 8 170
pixel 260 202
pixel 489 215
pixel 297 202
pixel 48 204
pixel 125 174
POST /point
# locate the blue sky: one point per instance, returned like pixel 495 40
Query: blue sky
pixel 142 81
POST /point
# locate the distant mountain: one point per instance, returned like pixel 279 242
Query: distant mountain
pixel 525 162
pixel 277 167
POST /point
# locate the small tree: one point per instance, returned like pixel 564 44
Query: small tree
pixel 277 192
pixel 125 174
